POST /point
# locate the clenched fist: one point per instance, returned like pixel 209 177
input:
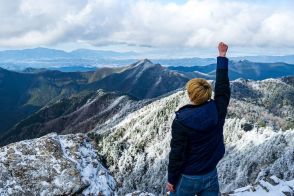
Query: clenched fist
pixel 170 187
pixel 222 48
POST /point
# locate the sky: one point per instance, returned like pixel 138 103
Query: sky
pixel 168 28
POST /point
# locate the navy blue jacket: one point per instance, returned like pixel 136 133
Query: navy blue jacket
pixel 197 143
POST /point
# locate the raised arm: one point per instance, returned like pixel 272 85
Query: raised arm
pixel 222 92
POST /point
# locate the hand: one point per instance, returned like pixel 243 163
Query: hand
pixel 170 187
pixel 222 48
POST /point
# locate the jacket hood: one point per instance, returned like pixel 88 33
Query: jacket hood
pixel 199 117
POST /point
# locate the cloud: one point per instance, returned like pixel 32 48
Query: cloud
pixel 194 24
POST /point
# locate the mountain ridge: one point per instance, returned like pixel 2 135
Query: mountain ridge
pixel 142 79
pixel 25 93
pixel 77 114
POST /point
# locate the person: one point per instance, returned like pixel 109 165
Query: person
pixel 197 143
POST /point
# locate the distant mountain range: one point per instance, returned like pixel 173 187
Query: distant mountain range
pixel 186 62
pixel 62 69
pixel 46 53
pixel 240 69
pixel 267 59
pixel 80 59
pixel 18 60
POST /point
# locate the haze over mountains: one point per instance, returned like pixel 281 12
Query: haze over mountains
pixel 46 53
pixel 86 59
pixel 51 58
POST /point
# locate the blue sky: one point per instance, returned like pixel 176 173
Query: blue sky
pixel 150 27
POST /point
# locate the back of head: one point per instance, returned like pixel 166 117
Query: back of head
pixel 199 90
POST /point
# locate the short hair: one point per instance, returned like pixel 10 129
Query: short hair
pixel 199 90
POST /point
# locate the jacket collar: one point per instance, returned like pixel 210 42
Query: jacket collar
pixel 198 117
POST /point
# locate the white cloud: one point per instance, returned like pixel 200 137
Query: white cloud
pixel 195 24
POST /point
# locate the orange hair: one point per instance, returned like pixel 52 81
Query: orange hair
pixel 199 90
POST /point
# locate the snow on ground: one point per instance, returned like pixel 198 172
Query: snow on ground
pixel 255 154
pixel 139 193
pixel 271 187
pixel 92 172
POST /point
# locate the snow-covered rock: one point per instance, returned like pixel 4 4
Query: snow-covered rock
pixel 53 165
pixel 271 186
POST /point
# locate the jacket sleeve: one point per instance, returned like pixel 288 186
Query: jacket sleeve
pixel 222 92
pixel 177 153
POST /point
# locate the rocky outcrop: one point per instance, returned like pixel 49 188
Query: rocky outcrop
pixel 272 186
pixel 53 165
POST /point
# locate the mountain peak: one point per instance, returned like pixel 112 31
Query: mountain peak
pixel 146 60
pixel 142 63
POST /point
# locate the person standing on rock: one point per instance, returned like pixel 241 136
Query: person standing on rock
pixel 197 143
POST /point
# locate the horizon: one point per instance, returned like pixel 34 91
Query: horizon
pixel 182 28
pixel 141 55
